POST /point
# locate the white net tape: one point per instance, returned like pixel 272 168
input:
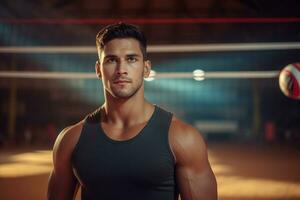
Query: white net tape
pixel 79 75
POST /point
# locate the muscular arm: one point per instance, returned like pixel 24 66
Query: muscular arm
pixel 62 181
pixel 194 176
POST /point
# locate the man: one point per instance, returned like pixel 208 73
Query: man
pixel 129 148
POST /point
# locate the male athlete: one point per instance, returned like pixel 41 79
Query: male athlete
pixel 129 148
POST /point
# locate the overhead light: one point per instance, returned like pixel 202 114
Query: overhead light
pixel 199 75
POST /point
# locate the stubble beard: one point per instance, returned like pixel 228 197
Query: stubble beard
pixel 126 92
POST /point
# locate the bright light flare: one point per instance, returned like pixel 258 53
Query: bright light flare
pixel 151 76
pixel 199 75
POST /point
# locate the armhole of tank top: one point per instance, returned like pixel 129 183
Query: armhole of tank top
pixel 76 146
pixel 168 139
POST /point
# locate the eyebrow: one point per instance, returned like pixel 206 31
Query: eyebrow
pixel 128 55
pixel 133 55
pixel 110 56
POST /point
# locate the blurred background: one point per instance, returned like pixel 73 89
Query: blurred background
pixel 252 129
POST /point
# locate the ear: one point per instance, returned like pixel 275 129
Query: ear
pixel 147 68
pixel 97 69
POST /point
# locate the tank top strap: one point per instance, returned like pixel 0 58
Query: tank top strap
pixel 163 119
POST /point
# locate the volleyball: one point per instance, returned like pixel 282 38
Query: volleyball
pixel 289 80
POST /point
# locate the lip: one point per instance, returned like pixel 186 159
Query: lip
pixel 121 81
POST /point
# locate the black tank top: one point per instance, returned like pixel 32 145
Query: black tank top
pixel 141 168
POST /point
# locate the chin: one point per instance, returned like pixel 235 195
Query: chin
pixel 124 94
pixel 121 94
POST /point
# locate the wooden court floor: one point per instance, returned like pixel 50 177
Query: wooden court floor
pixel 243 171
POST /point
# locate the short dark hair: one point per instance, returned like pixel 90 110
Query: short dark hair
pixel 121 30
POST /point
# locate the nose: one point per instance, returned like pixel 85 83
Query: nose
pixel 122 67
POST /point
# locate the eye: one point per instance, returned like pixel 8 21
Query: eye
pixel 110 60
pixel 131 59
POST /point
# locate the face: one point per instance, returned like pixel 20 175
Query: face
pixel 122 68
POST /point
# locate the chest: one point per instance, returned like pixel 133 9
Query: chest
pixel 143 161
pixel 122 134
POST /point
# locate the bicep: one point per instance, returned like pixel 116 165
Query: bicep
pixel 195 185
pixel 194 175
pixel 61 187
pixel 62 181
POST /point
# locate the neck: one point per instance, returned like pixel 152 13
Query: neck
pixel 126 112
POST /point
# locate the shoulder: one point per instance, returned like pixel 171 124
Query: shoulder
pixel 185 141
pixel 66 141
pixel 70 134
pixel 184 132
pixel 181 128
